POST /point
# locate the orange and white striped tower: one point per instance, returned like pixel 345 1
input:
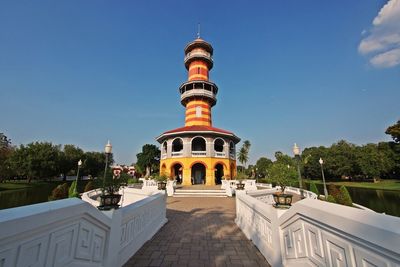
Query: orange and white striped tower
pixel 198 94
pixel 198 153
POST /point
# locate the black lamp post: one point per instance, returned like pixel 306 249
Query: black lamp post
pixel 107 150
pixel 296 152
pixel 321 162
pixel 77 176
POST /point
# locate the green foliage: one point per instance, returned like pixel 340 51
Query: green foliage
pixel 394 131
pixel 282 175
pixel 111 184
pixel 149 159
pixel 68 159
pixel 331 199
pixel 73 192
pixel 341 195
pixel 344 197
pixel 6 151
pixel 241 176
pixel 160 178
pixel 243 153
pixel 262 166
pixel 36 160
pixel 313 188
pixel 95 162
pixel 132 180
pixel 60 192
pixel 89 186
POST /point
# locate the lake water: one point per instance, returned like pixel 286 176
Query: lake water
pixel 382 201
pixel 28 196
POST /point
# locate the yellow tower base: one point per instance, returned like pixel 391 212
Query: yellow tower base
pixel 168 165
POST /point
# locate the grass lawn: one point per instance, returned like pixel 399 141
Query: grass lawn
pixel 14 185
pixel 383 185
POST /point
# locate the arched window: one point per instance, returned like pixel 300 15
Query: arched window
pixel 219 145
pixel 198 144
pixel 231 149
pixel 164 148
pixel 177 145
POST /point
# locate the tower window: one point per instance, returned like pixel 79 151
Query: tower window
pixel 198 70
pixel 198 112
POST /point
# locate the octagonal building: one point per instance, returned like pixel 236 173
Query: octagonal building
pixel 198 153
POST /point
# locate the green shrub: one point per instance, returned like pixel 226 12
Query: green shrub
pixel 132 181
pixel 344 197
pixel 89 186
pixel 314 189
pixel 73 192
pixel 333 191
pixel 60 192
pixel 331 199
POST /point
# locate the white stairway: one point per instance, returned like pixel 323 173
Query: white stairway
pixel 200 193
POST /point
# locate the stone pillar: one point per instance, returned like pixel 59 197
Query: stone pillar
pixel 187 176
pixel 210 176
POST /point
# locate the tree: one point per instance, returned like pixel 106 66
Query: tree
pixel 394 131
pixel 263 165
pixel 243 154
pixel 5 153
pixel 69 158
pixel 95 162
pixel 36 160
pixel 373 162
pixel 283 175
pixel 149 158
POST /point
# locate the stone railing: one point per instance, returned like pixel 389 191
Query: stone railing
pixel 71 232
pixel 220 154
pixel 318 233
pixel 177 154
pixel 199 153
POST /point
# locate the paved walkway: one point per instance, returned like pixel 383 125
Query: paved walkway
pixel 200 232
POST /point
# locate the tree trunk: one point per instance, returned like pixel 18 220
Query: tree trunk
pixel 147 172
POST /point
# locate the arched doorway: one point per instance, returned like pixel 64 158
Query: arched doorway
pixel 176 172
pixel 198 174
pixel 219 173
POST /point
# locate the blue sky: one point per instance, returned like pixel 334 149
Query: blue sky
pixel 311 72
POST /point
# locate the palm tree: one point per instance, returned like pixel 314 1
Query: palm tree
pixel 247 145
pixel 243 155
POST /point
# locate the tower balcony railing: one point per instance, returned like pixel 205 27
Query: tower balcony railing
pixel 199 153
pixel 198 54
pixel 164 156
pixel 177 154
pixel 198 92
pixel 220 154
pixel 232 155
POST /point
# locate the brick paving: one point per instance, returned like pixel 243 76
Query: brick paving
pixel 200 232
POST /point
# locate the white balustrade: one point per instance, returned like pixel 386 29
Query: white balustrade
pixel 318 233
pixel 199 153
pixel 177 154
pixel 72 232
pixel 220 154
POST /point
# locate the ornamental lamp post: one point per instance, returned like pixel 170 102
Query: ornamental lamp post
pixel 321 162
pixel 107 150
pixel 296 152
pixel 77 175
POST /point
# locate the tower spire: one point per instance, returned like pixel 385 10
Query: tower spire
pixel 198 30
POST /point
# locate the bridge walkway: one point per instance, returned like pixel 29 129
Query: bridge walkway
pixel 200 232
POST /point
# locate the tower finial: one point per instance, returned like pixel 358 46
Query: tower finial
pixel 198 30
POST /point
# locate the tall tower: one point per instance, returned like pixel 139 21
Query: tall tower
pixel 198 153
pixel 198 94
